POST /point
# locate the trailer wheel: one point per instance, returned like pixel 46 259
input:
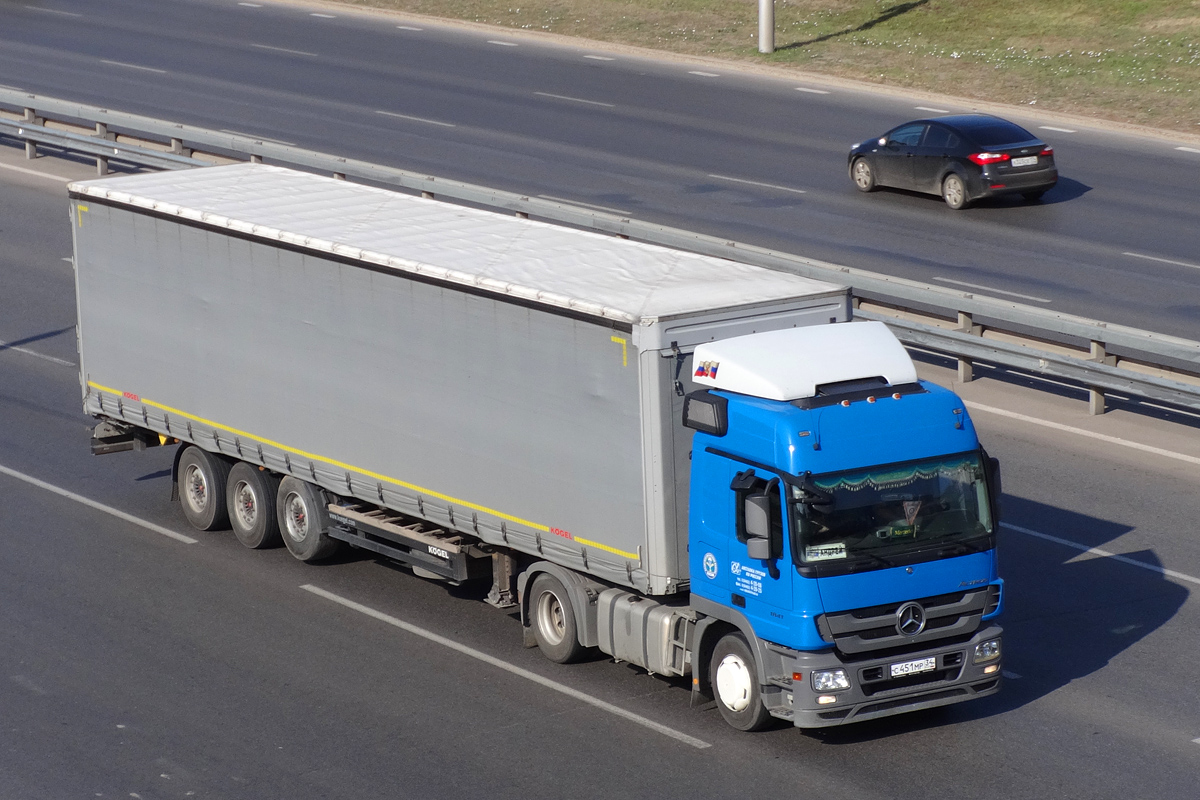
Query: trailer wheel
pixel 734 678
pixel 251 498
pixel 554 620
pixel 304 520
pixel 202 477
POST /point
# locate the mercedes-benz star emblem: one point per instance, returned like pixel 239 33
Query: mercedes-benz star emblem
pixel 910 619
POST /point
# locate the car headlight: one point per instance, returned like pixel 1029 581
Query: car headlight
pixel 987 651
pixel 830 680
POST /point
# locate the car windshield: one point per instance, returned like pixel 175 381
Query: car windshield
pixel 995 133
pixel 884 516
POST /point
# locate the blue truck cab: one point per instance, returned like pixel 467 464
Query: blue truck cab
pixel 843 520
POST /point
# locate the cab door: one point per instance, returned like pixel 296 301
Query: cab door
pixel 760 587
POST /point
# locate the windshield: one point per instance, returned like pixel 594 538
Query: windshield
pixel 886 516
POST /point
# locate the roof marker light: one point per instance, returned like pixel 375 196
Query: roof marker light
pixel 896 396
pixel 846 403
pixel 871 399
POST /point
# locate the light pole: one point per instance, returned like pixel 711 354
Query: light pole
pixel 766 26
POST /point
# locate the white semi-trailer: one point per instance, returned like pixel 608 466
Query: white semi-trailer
pixel 647 449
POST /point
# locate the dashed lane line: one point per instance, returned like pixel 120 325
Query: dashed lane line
pixel 417 119
pixel 758 183
pixel 512 669
pixel 991 289
pixel 132 66
pixel 811 91
pixel 575 99
pixel 49 487
pixel 1056 130
pixel 287 50
pixel 1133 562
pixel 1162 260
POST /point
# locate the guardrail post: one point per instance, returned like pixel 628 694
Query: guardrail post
pixel 31 147
pixel 966 367
pixel 427 195
pixel 522 215
pixel 255 158
pixel 178 149
pixel 339 176
pixel 1100 355
pixel 102 161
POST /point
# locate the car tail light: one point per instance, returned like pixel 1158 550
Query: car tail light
pixel 988 158
pixel 1047 151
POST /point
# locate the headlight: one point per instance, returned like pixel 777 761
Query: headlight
pixel 830 680
pixel 987 651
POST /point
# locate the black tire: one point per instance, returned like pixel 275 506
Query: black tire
pixel 734 678
pixel 251 497
pixel 862 175
pixel 553 620
pixel 201 481
pixel 954 192
pixel 1033 197
pixel 303 516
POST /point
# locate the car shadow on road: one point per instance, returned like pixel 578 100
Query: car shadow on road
pixel 1068 613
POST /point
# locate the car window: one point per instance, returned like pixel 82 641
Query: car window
pixel 999 132
pixel 907 135
pixel 940 137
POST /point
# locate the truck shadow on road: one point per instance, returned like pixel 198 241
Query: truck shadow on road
pixel 1068 613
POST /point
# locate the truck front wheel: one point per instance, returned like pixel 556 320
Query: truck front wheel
pixel 735 684
pixel 251 499
pixel 554 625
pixel 304 520
pixel 202 477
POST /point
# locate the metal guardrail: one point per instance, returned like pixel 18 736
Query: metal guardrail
pixel 1086 352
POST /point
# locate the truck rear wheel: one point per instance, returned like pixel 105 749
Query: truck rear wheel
pixel 304 520
pixel 554 625
pixel 202 477
pixel 251 499
pixel 734 678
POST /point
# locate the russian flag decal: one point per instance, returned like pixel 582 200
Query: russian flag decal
pixel 707 369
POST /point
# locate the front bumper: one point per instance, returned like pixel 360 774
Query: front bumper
pixel 872 694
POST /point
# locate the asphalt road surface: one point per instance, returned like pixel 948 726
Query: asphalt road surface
pixel 700 146
pixel 139 658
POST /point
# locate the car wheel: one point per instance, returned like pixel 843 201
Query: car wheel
pixel 954 191
pixel 863 175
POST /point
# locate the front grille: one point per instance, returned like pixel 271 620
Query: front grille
pixel 872 629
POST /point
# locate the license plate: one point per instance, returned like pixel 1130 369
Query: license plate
pixel 1024 161
pixel 912 667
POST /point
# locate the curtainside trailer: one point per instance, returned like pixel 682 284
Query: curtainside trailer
pixel 698 466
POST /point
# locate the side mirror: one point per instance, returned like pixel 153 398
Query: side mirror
pixel 758 518
pixel 992 470
pixel 759 549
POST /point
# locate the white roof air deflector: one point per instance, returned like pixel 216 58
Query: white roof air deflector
pixel 790 364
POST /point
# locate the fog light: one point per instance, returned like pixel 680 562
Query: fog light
pixel 987 651
pixel 990 668
pixel 826 699
pixel 830 680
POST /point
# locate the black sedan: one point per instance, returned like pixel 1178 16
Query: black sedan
pixel 963 158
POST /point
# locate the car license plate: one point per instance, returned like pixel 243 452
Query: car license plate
pixel 1024 161
pixel 913 667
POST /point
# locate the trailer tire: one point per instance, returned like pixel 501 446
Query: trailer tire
pixel 201 481
pixel 554 626
pixel 251 497
pixel 303 518
pixel 735 686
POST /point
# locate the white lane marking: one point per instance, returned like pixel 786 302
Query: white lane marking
pixel 25 683
pixel 251 5
pixel 601 58
pixel 323 16
pixel 1058 426
pixel 575 99
pixel 417 119
pixel 54 11
pixel 256 137
pixel 132 66
pixel 704 74
pixel 1012 676
pixel 150 526
pixel 1056 130
pixel 1196 741
pixel 6 347
pixel 586 205
pixel 36 173
pixel 810 91
pixel 934 110
pixel 1188 149
pixel 13 88
pixel 1162 260
pixel 502 44
pixel 507 667
pixel 992 289
pixel 409 28
pixel 1133 562
pixel 284 50
pixel 757 183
